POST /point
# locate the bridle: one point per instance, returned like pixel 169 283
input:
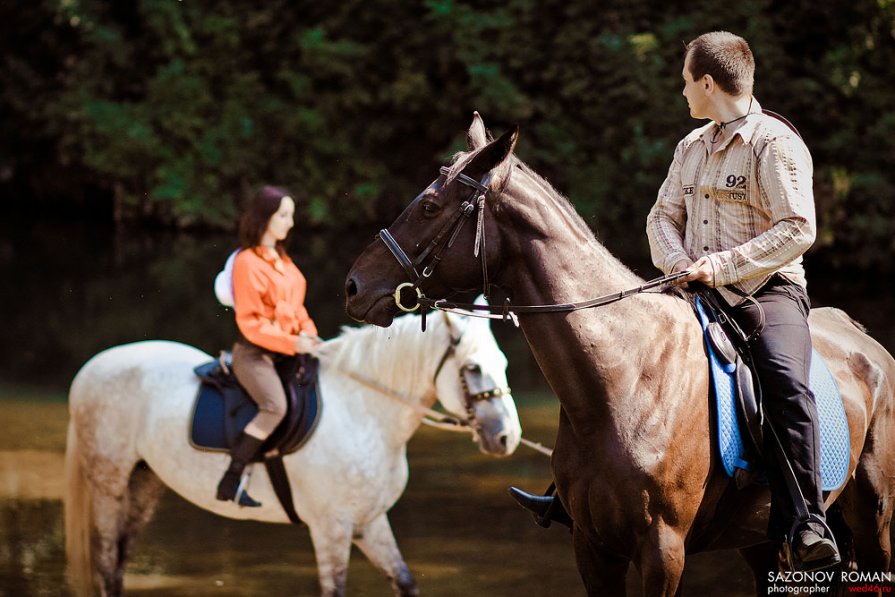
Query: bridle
pixel 436 248
pixel 467 374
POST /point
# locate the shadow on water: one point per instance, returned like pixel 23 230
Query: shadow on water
pixel 80 289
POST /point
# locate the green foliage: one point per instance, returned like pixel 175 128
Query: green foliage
pixel 180 109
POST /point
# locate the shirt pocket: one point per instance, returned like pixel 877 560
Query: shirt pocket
pixel 733 187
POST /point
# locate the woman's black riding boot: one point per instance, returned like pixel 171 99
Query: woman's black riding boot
pixel 241 453
pixel 546 508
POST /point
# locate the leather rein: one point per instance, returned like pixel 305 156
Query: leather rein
pixel 451 229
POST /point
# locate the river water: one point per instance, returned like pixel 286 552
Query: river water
pixel 73 289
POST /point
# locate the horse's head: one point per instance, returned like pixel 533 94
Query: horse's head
pixel 471 383
pixel 431 248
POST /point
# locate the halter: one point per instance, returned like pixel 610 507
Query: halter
pixel 437 247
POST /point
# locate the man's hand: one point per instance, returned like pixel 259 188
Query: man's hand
pixel 701 271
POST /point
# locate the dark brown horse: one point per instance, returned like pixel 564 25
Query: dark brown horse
pixel 634 463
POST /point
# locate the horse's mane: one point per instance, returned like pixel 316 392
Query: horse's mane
pixel 395 356
pixel 462 159
pixel 563 205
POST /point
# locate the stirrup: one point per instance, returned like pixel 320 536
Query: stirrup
pixel 789 550
pixel 242 497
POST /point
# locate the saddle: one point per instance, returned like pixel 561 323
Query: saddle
pixel 223 408
pixel 741 425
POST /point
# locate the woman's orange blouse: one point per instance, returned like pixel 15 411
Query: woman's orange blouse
pixel 269 300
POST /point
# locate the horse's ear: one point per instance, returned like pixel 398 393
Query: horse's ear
pixel 493 154
pixel 476 136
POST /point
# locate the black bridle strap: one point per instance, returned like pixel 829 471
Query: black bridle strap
pixel 481 187
pixel 436 246
pixel 506 309
pixel 450 350
pixel 399 254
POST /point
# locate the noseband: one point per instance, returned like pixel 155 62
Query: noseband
pixel 467 372
pixel 436 248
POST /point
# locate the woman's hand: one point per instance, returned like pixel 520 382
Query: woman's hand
pixel 305 343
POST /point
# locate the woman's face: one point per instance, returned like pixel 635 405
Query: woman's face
pixel 281 221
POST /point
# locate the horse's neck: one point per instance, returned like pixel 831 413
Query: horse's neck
pixel 589 357
pixel 393 367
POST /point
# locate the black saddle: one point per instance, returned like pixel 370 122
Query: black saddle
pixel 223 408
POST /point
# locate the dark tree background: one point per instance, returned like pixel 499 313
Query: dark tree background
pixel 172 111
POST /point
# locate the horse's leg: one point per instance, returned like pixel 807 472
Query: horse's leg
pixel 661 560
pixel 867 508
pixel 378 543
pixel 602 572
pixel 109 508
pixel 332 549
pixel 122 502
pixel 761 559
pixel 144 490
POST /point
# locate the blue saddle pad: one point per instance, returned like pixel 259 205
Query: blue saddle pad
pixel 223 409
pixel 834 437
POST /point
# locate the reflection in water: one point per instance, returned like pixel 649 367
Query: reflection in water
pixel 457 528
pixel 82 290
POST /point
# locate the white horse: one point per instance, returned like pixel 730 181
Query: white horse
pixel 130 409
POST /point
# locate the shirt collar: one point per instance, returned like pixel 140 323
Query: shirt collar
pixel 269 257
pixel 745 131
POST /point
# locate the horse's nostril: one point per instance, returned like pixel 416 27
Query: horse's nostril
pixel 350 287
pixel 503 440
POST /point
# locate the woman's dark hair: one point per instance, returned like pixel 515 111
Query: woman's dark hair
pixel 724 56
pixel 256 217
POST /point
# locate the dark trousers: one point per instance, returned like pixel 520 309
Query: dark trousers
pixel 782 358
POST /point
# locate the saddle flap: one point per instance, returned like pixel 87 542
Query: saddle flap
pixel 721 343
pixel 749 406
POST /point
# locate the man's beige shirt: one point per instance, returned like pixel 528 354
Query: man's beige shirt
pixel 748 205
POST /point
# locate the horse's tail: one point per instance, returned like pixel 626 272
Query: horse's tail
pixel 78 518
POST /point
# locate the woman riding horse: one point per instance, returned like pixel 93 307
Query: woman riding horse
pixel 269 295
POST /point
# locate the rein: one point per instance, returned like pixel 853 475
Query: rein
pixel 509 311
pixel 437 247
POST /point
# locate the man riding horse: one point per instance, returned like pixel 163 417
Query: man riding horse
pixel 736 212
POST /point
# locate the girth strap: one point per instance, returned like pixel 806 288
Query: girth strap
pixel 280 481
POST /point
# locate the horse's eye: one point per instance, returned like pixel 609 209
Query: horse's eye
pixel 473 368
pixel 430 209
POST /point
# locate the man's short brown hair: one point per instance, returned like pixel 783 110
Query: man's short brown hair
pixel 724 56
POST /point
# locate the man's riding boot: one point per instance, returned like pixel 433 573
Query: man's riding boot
pixel 241 453
pixel 813 551
pixel 545 508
